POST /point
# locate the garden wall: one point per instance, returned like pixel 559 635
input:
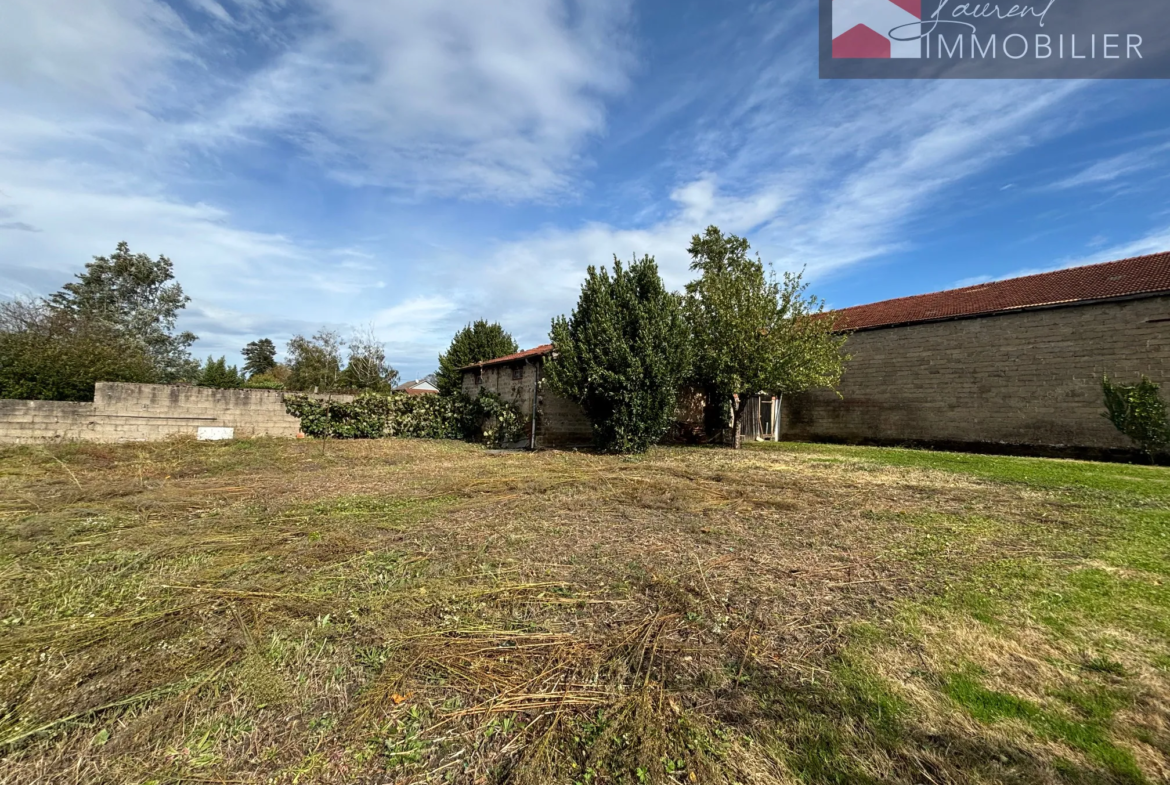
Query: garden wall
pixel 148 412
pixel 1009 382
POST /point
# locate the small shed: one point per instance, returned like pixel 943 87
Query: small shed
pixel 761 418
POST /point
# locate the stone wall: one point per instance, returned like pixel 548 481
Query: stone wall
pixel 1027 379
pixel 562 423
pixel 147 412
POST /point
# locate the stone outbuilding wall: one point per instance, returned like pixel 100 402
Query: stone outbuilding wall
pixel 561 422
pixel 1029 379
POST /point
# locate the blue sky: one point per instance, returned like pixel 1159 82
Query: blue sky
pixel 416 165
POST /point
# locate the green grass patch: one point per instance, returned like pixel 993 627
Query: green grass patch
pixel 1146 482
pixel 1087 734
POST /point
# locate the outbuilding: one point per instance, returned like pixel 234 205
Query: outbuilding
pixel 553 421
pixel 1006 366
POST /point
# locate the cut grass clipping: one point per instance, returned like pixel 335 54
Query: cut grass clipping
pixel 419 611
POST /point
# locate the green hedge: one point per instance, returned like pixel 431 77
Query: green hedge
pixel 377 415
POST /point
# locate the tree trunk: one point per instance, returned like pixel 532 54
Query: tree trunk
pixel 737 422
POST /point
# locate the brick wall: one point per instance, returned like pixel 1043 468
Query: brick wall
pixel 562 423
pixel 1029 379
pixel 147 412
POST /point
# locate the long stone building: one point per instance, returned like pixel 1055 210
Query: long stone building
pixel 1008 366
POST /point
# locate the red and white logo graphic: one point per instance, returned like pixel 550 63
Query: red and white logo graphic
pixel 871 28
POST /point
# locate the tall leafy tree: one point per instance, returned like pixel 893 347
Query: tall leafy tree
pixel 753 332
pixel 368 368
pixel 56 355
pixel 474 343
pixel 140 297
pixel 259 357
pixel 623 354
pixel 315 363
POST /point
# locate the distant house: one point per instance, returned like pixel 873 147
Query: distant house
pixel 517 379
pixel 1011 365
pixel 417 387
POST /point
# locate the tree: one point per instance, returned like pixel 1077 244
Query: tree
pixel 623 355
pixel 139 297
pixel 58 355
pixel 259 357
pixel 753 333
pixel 367 368
pixel 474 343
pixel 217 373
pixel 314 363
pixel 1138 411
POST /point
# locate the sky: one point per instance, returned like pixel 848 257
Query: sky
pixel 417 165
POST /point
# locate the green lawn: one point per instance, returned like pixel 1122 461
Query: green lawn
pixel 413 611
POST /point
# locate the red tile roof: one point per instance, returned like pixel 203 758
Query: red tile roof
pixel 1128 277
pixel 535 352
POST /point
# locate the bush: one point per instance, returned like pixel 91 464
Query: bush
pixel 623 355
pixel 1138 412
pixel 264 381
pixel 376 415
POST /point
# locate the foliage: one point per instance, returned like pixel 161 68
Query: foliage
pixel 623 355
pixel 491 419
pixel 474 343
pixel 1138 411
pixel 59 355
pixel 373 415
pixel 139 297
pixel 366 417
pixel 752 332
pixel 264 381
pixel 315 363
pixel 259 357
pixel 367 368
pixel 217 373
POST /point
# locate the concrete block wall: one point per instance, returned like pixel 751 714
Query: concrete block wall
pixel 1031 378
pixel 148 412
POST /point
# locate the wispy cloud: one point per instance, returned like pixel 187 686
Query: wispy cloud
pixel 456 98
pixel 1118 167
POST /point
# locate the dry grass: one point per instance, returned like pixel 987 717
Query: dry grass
pixel 411 611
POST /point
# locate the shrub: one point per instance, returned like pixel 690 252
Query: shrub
pixel 264 381
pixel 494 420
pixel 1138 411
pixel 376 415
pixel 622 355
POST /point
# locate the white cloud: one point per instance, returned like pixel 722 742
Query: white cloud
pixel 841 185
pixel 90 51
pixel 454 98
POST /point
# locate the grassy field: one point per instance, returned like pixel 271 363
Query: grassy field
pixel 411 611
